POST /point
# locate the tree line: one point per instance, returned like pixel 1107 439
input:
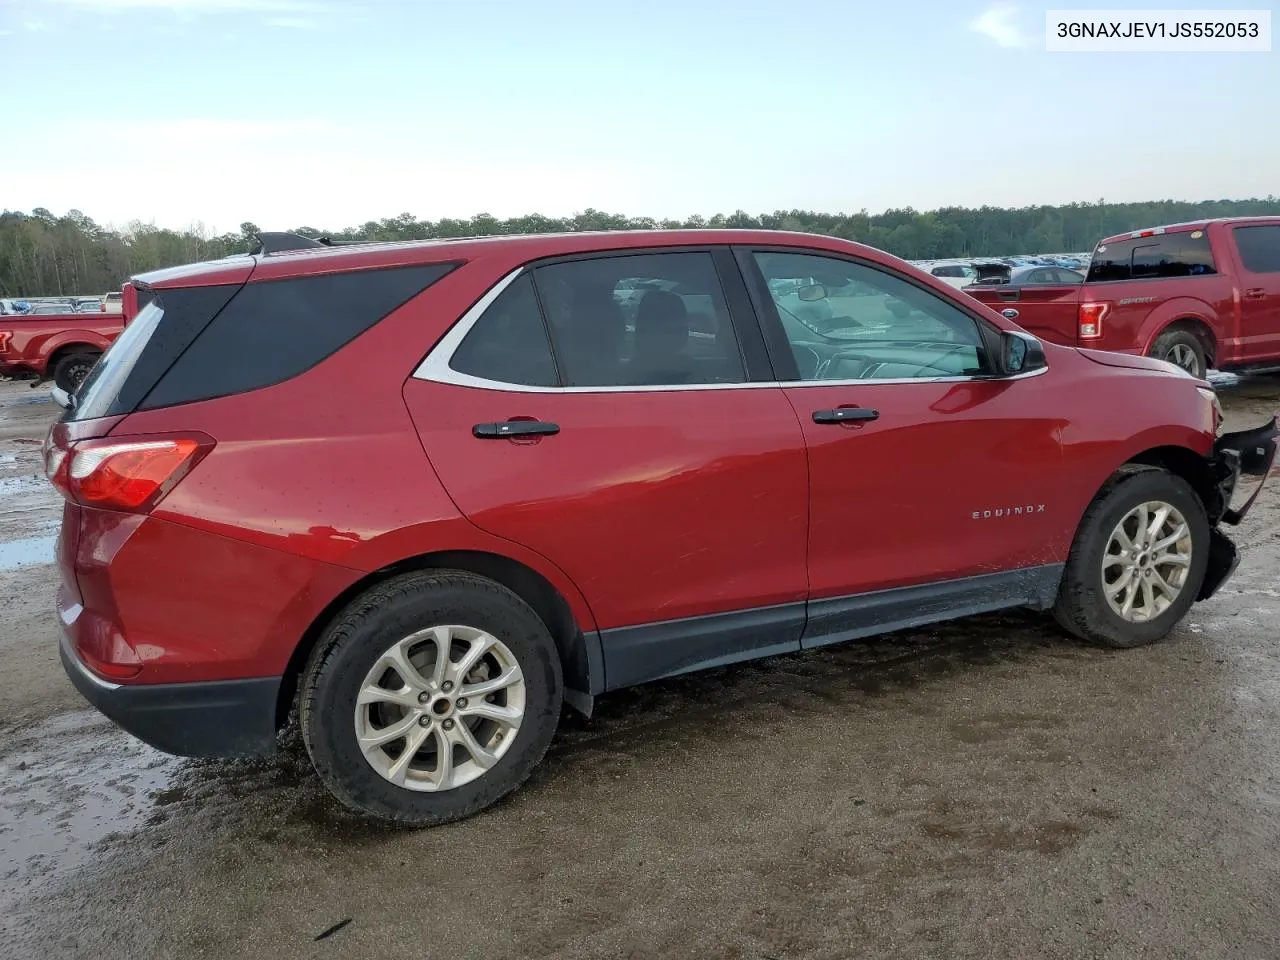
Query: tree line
pixel 46 255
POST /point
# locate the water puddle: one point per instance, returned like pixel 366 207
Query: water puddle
pixel 26 552
pixel 67 783
pixel 12 486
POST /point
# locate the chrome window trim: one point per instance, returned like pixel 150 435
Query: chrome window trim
pixel 435 367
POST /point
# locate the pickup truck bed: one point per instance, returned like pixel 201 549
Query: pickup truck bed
pixel 58 346
pixel 1199 295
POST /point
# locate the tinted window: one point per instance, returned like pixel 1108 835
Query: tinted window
pixel 509 342
pixel 641 320
pixel 857 323
pixel 168 324
pixel 1259 248
pixel 276 329
pixel 1185 254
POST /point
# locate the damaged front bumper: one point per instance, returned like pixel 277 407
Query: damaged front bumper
pixel 1249 453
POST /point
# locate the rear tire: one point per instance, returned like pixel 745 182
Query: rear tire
pixel 340 703
pixel 1091 599
pixel 71 370
pixel 1183 349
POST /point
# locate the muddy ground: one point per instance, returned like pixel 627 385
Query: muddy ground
pixel 984 789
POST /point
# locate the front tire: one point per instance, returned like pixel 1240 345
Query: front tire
pixel 431 697
pixel 1138 560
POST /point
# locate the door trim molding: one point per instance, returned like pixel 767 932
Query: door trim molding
pixel 652 651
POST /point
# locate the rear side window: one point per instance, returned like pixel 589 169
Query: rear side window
pixel 276 329
pixel 1259 248
pixel 640 320
pixel 1163 256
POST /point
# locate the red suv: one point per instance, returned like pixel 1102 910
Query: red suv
pixel 427 492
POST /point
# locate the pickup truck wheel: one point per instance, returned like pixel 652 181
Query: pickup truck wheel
pixel 1137 562
pixel 1183 349
pixel 432 696
pixel 72 369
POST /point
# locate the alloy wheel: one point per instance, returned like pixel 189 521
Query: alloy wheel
pixel 439 708
pixel 1147 561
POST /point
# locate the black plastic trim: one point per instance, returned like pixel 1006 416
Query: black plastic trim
pixel 1223 560
pixel 746 322
pixel 848 618
pixel 222 718
pixel 651 651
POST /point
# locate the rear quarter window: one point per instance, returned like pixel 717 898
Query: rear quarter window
pixel 274 330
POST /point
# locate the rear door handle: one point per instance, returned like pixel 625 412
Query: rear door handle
pixel 1255 293
pixel 845 415
pixel 514 428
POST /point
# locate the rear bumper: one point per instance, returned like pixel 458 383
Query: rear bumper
pixel 217 718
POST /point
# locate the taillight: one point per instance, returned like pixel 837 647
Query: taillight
pixel 5 337
pixel 1091 316
pixel 128 475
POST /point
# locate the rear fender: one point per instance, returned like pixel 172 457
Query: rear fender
pixel 86 339
pixel 1180 308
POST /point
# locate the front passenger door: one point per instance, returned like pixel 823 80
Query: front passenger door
pixel 923 468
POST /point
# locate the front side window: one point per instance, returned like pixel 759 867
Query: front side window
pixel 1259 248
pixel 639 320
pixel 846 321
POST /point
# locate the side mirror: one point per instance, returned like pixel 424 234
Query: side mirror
pixel 811 292
pixel 1020 353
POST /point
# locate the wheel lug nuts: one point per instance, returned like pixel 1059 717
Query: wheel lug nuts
pixel 447 686
pixel 424 721
pixel 448 724
pixel 424 697
pixel 462 703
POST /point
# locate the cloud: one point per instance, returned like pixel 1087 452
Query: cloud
pixel 999 24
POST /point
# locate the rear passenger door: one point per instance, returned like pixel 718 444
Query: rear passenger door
pixel 615 415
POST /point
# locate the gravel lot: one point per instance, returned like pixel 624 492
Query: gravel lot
pixel 984 789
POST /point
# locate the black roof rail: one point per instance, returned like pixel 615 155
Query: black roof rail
pixel 280 242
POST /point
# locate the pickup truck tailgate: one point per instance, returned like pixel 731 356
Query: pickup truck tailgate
pixel 1047 310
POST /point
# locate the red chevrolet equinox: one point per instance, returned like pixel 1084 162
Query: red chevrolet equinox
pixel 427 493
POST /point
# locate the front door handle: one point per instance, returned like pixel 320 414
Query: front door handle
pixel 1255 293
pixel 845 415
pixel 514 428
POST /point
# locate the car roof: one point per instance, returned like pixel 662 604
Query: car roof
pixel 520 247
pixel 1190 225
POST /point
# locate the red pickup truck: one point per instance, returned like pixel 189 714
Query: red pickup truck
pixel 1200 295
pixel 58 346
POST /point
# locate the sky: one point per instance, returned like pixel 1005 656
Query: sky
pixel 329 113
